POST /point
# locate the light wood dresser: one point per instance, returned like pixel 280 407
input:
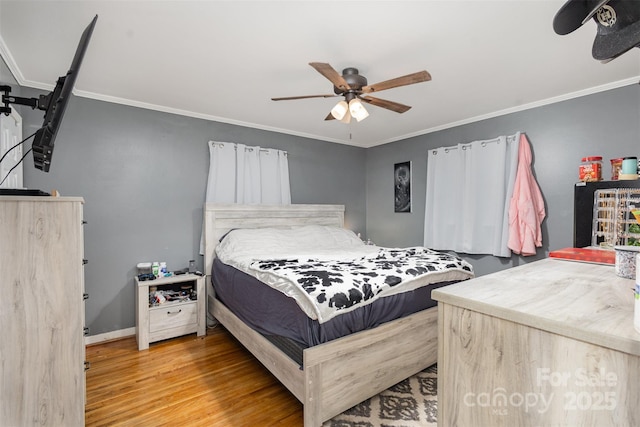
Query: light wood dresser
pixel 42 349
pixel 547 343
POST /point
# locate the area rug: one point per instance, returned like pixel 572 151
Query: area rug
pixel 410 403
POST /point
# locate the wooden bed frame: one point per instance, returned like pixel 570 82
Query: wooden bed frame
pixel 338 374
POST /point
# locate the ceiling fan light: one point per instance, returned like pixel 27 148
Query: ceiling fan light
pixel 357 110
pixel 346 118
pixel 340 110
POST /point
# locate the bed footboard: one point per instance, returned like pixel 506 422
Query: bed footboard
pixel 349 370
pixel 344 372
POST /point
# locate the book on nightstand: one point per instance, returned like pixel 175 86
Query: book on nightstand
pixel 595 255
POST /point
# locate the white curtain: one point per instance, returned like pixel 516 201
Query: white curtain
pixel 247 175
pixel 469 188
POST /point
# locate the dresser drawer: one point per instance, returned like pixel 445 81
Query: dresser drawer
pixel 172 316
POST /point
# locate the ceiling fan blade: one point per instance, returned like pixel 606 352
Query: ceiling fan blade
pixel 303 97
pixel 330 117
pixel 330 73
pixel 389 105
pixel 409 79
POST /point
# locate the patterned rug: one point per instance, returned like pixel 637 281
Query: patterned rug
pixel 410 403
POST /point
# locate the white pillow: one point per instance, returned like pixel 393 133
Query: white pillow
pixel 272 242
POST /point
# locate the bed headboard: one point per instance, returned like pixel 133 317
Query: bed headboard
pixel 220 218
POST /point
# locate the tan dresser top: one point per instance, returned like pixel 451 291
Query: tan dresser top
pixel 40 199
pixel 587 302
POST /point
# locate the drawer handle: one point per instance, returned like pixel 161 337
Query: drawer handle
pixel 87 365
pixel 174 312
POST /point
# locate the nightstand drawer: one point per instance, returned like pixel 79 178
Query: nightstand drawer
pixel 172 316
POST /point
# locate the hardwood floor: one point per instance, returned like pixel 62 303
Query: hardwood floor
pixel 186 381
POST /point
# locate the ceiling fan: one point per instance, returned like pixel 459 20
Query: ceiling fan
pixel 353 86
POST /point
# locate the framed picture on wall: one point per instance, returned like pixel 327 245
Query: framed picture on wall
pixel 402 186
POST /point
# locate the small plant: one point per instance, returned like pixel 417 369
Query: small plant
pixel 634 229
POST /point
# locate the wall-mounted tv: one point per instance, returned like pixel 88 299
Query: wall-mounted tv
pixel 54 104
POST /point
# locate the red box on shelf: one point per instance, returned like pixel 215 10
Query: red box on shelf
pixel 599 256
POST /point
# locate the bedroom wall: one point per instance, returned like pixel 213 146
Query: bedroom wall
pixel 6 78
pixel 142 174
pixel 606 124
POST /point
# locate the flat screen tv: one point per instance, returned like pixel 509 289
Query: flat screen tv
pixel 54 104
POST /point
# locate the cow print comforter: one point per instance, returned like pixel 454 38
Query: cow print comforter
pixel 336 286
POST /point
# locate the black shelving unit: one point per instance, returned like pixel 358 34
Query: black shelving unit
pixel 583 207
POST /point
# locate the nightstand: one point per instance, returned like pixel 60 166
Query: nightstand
pixel 155 322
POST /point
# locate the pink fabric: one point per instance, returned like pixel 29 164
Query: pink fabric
pixel 526 208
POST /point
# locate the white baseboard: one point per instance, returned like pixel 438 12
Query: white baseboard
pixel 107 336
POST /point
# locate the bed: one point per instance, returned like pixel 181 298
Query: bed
pixel 342 372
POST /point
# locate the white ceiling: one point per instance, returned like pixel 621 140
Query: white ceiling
pixel 224 60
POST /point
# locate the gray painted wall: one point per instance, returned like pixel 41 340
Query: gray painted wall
pixel 606 124
pixel 6 78
pixel 142 174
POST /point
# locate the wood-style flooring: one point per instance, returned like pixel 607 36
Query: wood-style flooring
pixel 186 381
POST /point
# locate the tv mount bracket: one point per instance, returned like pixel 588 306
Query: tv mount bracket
pixel 41 103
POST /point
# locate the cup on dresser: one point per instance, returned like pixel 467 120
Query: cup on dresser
pixel 626 260
pixel 630 165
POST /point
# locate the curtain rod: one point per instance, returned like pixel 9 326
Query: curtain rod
pixel 510 138
pixel 465 146
pixel 247 148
